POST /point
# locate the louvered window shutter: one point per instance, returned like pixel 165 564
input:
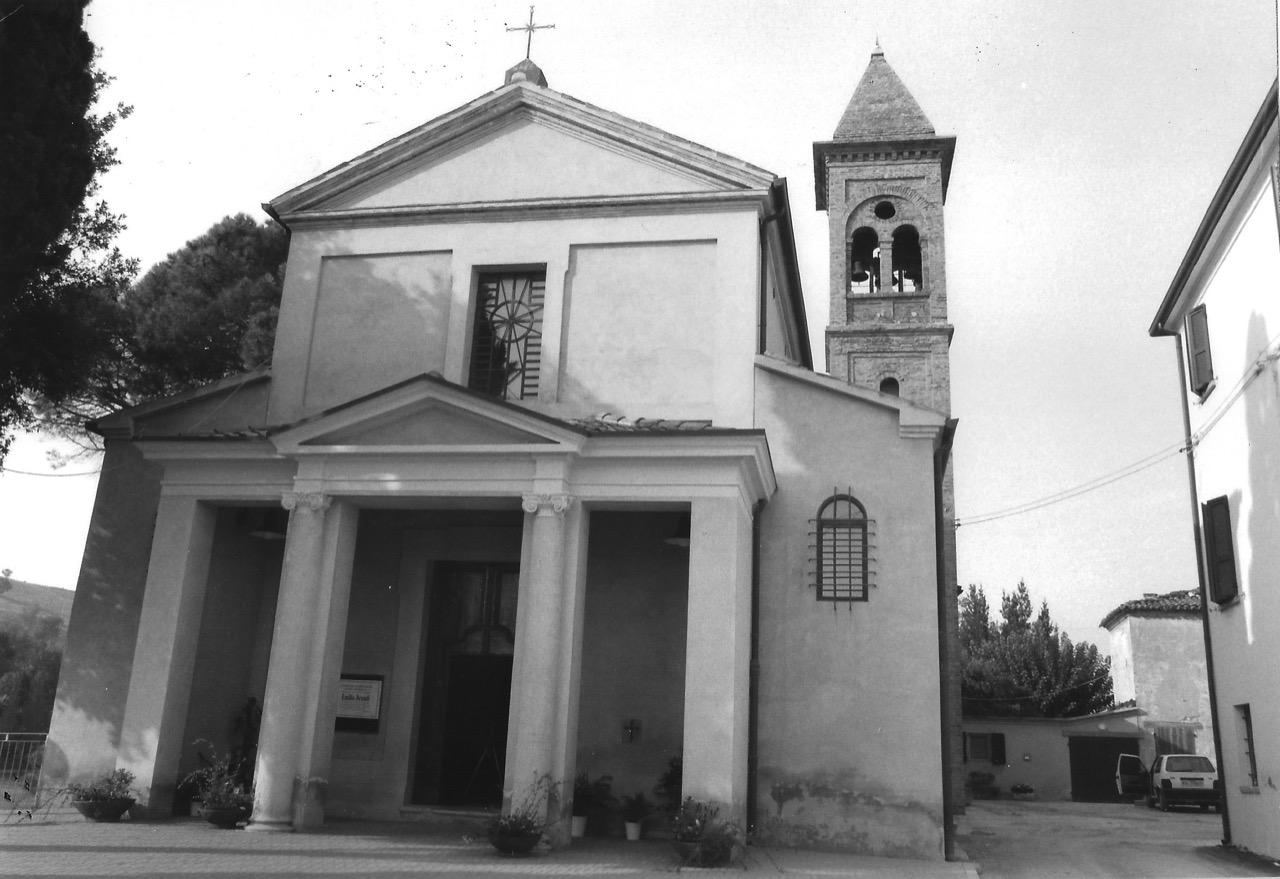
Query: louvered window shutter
pixel 1220 549
pixel 997 749
pixel 1198 350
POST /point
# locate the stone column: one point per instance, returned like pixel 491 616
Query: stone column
pixel 572 606
pixel 333 598
pixel 717 654
pixel 886 267
pixel 285 703
pixel 532 732
pixel 155 713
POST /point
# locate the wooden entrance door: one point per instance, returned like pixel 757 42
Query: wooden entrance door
pixel 466 699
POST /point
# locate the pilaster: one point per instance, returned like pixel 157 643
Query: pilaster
pixel 717 659
pixel 164 658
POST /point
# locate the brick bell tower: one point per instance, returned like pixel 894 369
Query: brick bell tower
pixel 882 179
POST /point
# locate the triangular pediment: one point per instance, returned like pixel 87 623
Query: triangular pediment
pixel 427 414
pixel 522 143
pixel 430 423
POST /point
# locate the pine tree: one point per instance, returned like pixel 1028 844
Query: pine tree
pixel 1026 667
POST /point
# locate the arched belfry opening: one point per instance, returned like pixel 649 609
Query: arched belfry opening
pixel 864 262
pixel 908 263
pixel 889 385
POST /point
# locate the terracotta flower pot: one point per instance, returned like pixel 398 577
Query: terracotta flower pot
pixel 633 830
pixel 578 827
pixel 103 810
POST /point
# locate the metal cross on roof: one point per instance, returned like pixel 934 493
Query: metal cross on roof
pixel 530 27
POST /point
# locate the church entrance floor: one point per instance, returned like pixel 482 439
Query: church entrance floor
pixel 70 847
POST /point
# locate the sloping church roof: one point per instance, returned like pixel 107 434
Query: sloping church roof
pixel 881 107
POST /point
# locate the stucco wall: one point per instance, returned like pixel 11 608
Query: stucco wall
pixel 400 299
pixel 94 681
pixel 633 649
pixel 235 637
pixel 378 320
pixel 1240 459
pixel 849 729
pixel 1172 685
pixel 1036 753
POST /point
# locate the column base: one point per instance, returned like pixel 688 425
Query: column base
pixel 270 826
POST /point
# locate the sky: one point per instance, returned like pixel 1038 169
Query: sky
pixel 1091 137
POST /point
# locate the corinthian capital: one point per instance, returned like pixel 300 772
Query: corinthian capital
pixel 311 501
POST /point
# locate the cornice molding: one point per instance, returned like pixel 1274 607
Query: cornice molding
pixel 524 209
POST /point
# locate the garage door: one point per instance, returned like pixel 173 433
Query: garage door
pixel 1093 766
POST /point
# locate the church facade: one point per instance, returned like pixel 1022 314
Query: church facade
pixel 540 481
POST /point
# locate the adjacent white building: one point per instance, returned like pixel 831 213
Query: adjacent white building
pixel 1224 309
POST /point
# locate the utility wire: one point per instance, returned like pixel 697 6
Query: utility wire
pixel 1269 354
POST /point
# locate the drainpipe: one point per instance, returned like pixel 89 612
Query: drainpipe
pixel 753 686
pixel 1204 592
pixel 940 457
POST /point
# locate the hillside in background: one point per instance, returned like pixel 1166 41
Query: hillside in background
pixel 18 598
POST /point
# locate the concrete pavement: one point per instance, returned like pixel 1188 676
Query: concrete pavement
pixel 71 847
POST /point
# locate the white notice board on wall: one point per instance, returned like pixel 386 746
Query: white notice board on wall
pixel 360 698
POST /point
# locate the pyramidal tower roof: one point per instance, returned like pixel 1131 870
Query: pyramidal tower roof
pixel 881 107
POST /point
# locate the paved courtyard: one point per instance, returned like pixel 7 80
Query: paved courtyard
pixel 1048 840
pixel 191 848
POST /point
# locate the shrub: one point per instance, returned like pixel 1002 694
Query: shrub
pixel 115 785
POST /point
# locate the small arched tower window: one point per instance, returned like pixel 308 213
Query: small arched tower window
pixel 889 386
pixel 908 275
pixel 864 262
pixel 842 569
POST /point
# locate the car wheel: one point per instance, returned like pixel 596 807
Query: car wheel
pixel 1164 801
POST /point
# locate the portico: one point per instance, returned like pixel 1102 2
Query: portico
pixel 384 454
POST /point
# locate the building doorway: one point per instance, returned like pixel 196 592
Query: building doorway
pixel 466 684
pixel 1093 766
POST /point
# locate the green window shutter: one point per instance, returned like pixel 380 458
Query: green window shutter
pixel 1198 355
pixel 997 749
pixel 1220 550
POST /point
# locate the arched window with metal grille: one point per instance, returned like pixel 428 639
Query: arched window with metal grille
pixel 843 550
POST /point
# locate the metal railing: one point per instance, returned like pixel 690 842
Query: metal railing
pixel 21 755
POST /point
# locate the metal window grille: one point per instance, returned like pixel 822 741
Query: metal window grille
pixel 843 549
pixel 506 346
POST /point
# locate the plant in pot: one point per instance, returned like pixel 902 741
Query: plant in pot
pixel 518 831
pixel 591 799
pixel 701 838
pixel 225 797
pixel 1023 791
pixel 635 808
pixel 106 797
pixel 669 786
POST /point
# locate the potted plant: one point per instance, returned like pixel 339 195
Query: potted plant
pixel 225 797
pixel 590 799
pixel 701 838
pixel 669 786
pixel 982 786
pixel 1023 791
pixel 518 831
pixel 106 797
pixel 635 808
